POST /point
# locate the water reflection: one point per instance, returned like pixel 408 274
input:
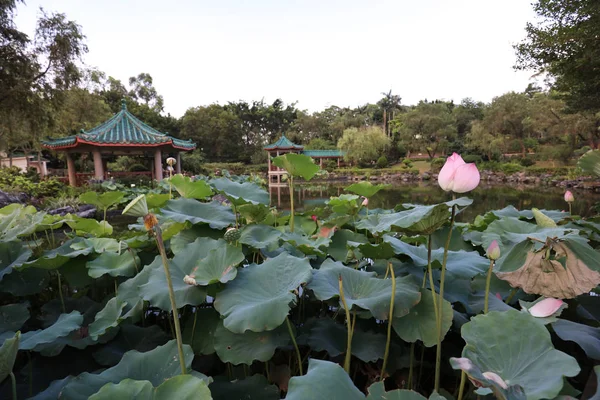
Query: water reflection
pixel 486 197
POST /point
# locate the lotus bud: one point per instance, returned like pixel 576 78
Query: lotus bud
pixel 546 308
pixel 314 218
pixel 171 161
pixel 365 202
pixel 458 176
pixel 569 198
pixel 493 251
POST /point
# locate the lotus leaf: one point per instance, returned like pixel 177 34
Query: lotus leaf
pixel 259 298
pixel 561 269
pixel 420 323
pixel 13 316
pixel 214 214
pixel 590 162
pixel 522 353
pixel 190 189
pixel 219 265
pixel 363 290
pixel 25 283
pixel 338 248
pixel 55 258
pixel 104 200
pixel 183 387
pixel 324 380
pixel 12 254
pixel 157 200
pixel 107 318
pixel 66 323
pixel 187 236
pixel 155 366
pixel 377 392
pixel 241 193
pixel 489 380
pixel 253 387
pixel 587 337
pixel 345 204
pixel 8 355
pixel 297 165
pixel 86 226
pixel 254 213
pixel 113 264
pixel 366 189
pixel 130 337
pixel 259 236
pixel 199 330
pixel 419 219
pixel 18 221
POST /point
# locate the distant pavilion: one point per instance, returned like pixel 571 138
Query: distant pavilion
pixel 121 135
pixel 284 145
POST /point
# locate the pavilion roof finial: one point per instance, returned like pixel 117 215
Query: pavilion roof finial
pixel 123 104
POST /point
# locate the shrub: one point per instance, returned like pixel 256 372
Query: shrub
pixel 382 162
pixel 437 164
pixel 472 158
pixel 527 161
pixel 12 180
pixel 407 163
pixel 511 168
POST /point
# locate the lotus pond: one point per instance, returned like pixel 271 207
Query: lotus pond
pixel 354 299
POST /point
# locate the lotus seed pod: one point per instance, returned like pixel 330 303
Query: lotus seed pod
pixel 171 161
pixel 232 235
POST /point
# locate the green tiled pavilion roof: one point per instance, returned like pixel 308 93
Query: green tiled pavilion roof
pixel 283 143
pixel 323 153
pixel 123 129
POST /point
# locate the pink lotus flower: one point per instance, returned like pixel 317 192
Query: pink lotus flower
pixel 545 308
pixel 314 218
pixel 493 251
pixel 569 198
pixel 365 202
pixel 458 176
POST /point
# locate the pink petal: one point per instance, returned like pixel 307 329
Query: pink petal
pixel 494 377
pixel 365 202
pixel 546 307
pixel 569 198
pixel 464 363
pixel 446 175
pixel 466 178
pixel 498 296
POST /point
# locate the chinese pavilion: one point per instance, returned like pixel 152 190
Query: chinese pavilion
pixel 123 134
pixel 284 145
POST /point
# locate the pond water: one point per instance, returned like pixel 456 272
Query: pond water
pixel 485 197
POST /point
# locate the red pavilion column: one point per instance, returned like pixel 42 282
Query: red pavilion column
pixel 98 166
pixel 71 170
pixel 158 168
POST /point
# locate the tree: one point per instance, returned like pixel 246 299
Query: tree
pixel 507 116
pixel 363 145
pixel 564 44
pixel 142 88
pixel 427 127
pixel 389 104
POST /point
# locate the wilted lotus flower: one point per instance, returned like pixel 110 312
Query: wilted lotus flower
pixel 458 176
pixel 569 198
pixel 171 161
pixel 545 308
pixel 494 377
pixel 493 251
pixel 365 202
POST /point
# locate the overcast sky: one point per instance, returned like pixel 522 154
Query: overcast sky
pixel 316 52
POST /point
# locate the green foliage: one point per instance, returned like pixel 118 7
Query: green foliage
pixel 13 181
pixel 527 161
pixel 472 158
pixel 511 168
pixel 382 162
pixel 363 145
pixel 590 162
pixel 437 164
pixel 297 165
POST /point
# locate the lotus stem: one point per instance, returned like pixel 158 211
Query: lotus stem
pixel 349 323
pixel 30 372
pixel 13 383
pixel 291 331
pixel 62 300
pixel 194 326
pixel 165 262
pixel 570 209
pixel 438 354
pixel 430 273
pixel 291 185
pixel 389 329
pixel 511 295
pixel 412 361
pixel 461 389
pixel 487 287
pixel 135 264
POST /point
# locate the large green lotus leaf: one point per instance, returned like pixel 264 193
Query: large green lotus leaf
pixel 51 222
pixel 220 265
pixel 244 348
pixel 8 355
pixel 363 290
pixel 156 290
pixel 460 264
pixel 365 188
pixel 377 392
pixel 297 165
pixel 420 219
pixel 155 366
pixel 13 316
pixel 345 204
pixel 201 336
pixel 214 214
pixel 241 193
pixel 52 310
pixel 587 337
pixel 12 254
pixel 17 221
pixel 157 200
pixel 189 188
pixel 254 387
pixel 104 200
pixel 323 380
pixel 309 245
pixel 107 318
pixel 259 236
pixel 522 352
pixel 382 251
pixel 254 213
pixel 259 298
pixel 511 211
pixel 561 269
pixel 113 264
pixel 338 248
pixel 66 323
pixel 88 226
pixel 590 162
pixel 187 236
pixel 100 245
pixel 420 323
pixel 25 283
pixel 130 291
pixel 182 387
pixel 327 335
pixel 56 258
pixel 130 337
pixel 488 381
